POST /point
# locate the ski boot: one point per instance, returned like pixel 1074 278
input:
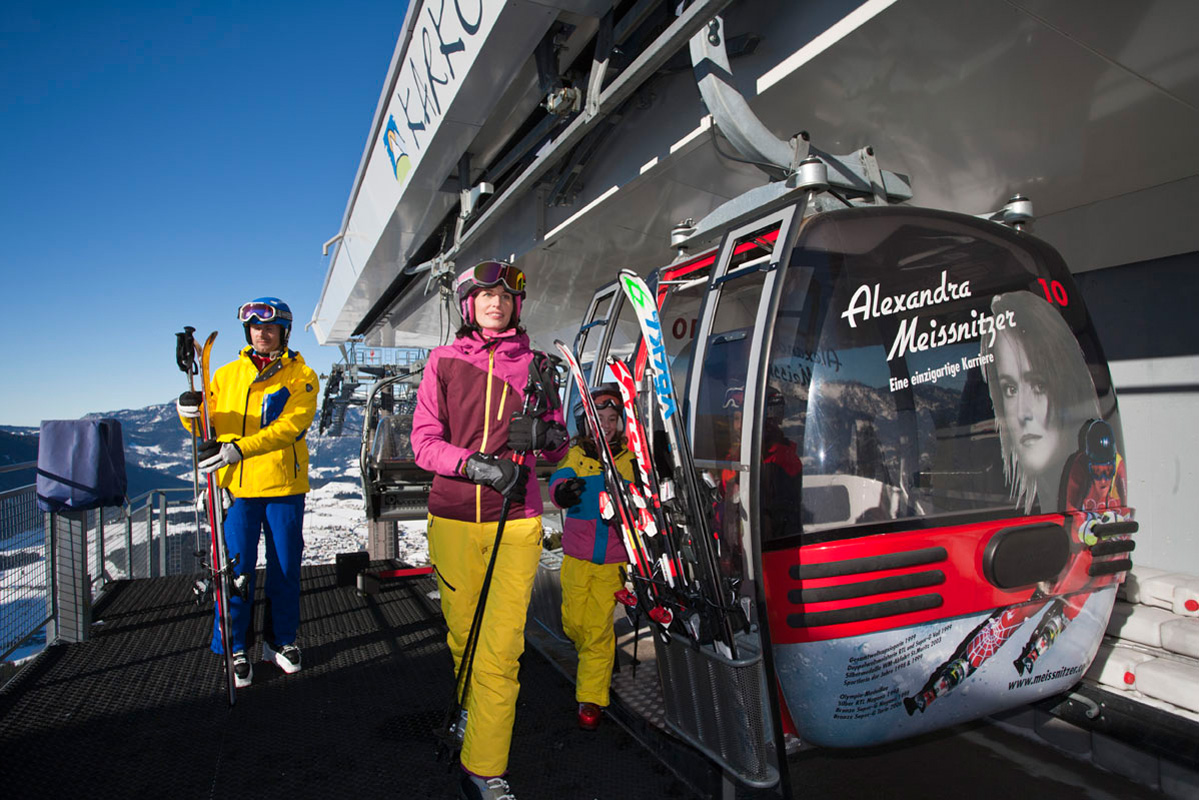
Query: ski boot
pixel 590 715
pixel 472 787
pixel 287 657
pixel 947 676
pixel 243 671
pixel 918 702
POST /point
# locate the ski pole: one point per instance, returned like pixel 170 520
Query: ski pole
pixel 185 357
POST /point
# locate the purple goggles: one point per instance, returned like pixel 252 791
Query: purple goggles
pixel 262 312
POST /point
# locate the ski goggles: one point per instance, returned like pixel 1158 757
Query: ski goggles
pixel 493 273
pixel 734 398
pixel 1103 472
pixel 262 312
pixel 607 402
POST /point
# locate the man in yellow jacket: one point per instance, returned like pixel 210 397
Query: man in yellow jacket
pixel 260 407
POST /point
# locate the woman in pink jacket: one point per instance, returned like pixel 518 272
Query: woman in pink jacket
pixel 467 430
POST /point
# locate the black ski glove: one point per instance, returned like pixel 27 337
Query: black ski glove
pixel 526 434
pixel 213 454
pixel 506 477
pixel 569 493
pixel 188 404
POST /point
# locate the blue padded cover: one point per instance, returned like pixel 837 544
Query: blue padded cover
pixel 80 464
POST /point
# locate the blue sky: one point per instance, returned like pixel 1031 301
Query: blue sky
pixel 161 164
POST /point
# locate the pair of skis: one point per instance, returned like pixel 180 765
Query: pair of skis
pixel 683 505
pixel 219 567
pixel 666 511
pixel 618 506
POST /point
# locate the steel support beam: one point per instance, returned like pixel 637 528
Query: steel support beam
pixel 694 19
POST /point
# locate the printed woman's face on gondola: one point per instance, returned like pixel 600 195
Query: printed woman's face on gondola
pixel 1025 406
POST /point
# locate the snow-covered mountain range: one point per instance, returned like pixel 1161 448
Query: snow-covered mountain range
pixel 158 455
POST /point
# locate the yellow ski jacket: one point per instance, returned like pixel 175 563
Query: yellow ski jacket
pixel 268 415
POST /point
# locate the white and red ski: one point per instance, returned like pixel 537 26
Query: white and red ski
pixel 618 504
pixel 648 486
pixel 219 561
pixel 684 506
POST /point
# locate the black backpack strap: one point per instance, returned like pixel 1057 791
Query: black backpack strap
pixel 543 384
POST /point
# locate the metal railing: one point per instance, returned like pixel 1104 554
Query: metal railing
pixel 26 604
pixel 152 535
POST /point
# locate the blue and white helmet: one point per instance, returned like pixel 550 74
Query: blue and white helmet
pixel 266 311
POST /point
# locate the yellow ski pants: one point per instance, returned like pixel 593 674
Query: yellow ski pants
pixel 460 552
pixel 587 607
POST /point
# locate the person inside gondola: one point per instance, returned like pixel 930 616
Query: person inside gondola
pixel 1095 478
pixel 781 476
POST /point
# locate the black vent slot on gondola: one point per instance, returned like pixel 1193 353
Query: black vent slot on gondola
pixel 1109 567
pixel 1115 528
pixel 848 591
pixel 855 566
pixel 842 616
pixel 1110 546
pixel 1025 555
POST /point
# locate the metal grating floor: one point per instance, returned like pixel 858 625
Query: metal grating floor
pixel 139 710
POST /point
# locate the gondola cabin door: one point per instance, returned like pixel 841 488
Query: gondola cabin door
pixel 916 465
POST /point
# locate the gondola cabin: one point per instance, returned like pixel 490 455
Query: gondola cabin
pixel 915 462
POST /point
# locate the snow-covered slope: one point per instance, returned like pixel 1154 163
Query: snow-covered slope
pixel 334 520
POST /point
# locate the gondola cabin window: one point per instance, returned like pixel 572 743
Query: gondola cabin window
pixel 920 368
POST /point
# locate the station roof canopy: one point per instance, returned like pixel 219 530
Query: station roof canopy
pixel 1088 109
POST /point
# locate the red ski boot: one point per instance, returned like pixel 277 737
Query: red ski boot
pixel 589 716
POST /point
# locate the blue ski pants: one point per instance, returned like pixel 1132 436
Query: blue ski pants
pixel 282 519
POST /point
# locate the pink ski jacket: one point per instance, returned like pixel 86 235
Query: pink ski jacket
pixel 470 390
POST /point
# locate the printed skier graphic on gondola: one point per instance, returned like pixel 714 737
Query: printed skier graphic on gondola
pixel 1059 454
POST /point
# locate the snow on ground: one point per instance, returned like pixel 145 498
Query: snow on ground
pixel 412 546
pixel 334 521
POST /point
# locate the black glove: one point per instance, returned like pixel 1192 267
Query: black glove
pixel 526 434
pixel 188 404
pixel 213 454
pixel 569 493
pixel 207 448
pixel 506 477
